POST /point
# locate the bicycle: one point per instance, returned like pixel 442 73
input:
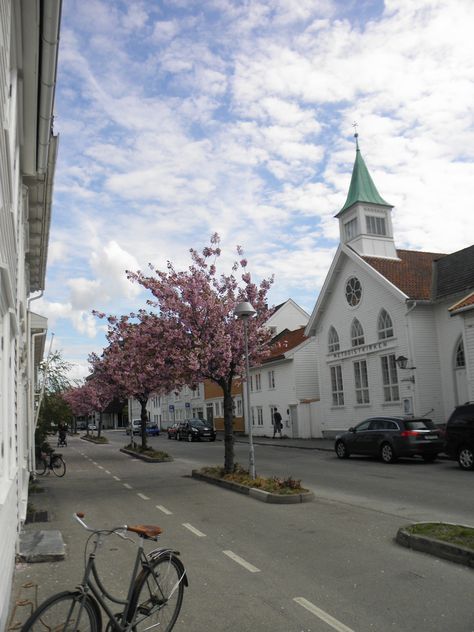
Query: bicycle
pixel 154 597
pixel 52 462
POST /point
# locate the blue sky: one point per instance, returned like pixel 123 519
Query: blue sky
pixel 181 118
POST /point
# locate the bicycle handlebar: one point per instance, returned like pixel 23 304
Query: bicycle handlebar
pixel 149 532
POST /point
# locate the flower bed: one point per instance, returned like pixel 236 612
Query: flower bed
pixel 147 454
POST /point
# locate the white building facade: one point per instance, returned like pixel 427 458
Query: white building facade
pixel 392 327
pixel 28 44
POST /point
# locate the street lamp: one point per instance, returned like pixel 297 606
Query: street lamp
pixel 244 311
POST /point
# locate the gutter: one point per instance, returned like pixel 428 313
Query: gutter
pixel 50 22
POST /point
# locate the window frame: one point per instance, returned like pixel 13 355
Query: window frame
pixel 378 224
pixel 337 385
pixel 333 340
pixel 357 334
pixel 390 381
pixel 361 382
pixel 384 325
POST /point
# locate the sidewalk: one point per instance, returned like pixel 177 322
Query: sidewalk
pixel 286 442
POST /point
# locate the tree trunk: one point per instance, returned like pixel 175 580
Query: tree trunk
pixel 228 426
pixel 144 418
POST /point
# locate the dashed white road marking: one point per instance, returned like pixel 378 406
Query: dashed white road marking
pixel 127 486
pixel 164 510
pixel 107 471
pixel 200 534
pixel 324 616
pixel 117 478
pixel 95 462
pixel 100 467
pixel 142 496
pixel 240 560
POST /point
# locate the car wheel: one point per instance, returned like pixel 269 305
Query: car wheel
pixel 466 458
pixel 190 437
pixel 429 458
pixel 341 450
pixel 387 453
pixel 212 439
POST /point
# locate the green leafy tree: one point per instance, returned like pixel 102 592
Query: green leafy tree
pixel 53 408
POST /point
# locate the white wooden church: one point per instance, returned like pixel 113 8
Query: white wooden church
pixel 394 328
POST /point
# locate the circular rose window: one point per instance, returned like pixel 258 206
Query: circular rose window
pixel 353 291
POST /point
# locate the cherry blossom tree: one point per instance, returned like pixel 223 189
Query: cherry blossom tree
pixel 203 338
pixel 140 360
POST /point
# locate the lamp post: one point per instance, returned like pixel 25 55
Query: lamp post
pixel 243 311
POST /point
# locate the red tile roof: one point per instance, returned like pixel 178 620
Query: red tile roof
pixel 283 342
pixel 413 274
pixel 467 301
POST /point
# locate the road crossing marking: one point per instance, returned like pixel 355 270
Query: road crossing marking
pixel 142 496
pixel 324 616
pixel 127 486
pixel 200 534
pixel 164 510
pixel 116 478
pixel 240 560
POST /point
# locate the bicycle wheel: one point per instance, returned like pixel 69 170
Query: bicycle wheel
pixel 65 612
pixel 58 466
pixel 40 466
pixel 158 594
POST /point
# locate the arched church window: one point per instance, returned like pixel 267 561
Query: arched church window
pixel 357 334
pixel 353 291
pixel 460 360
pixel 384 325
pixel 333 340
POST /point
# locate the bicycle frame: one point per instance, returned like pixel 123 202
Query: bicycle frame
pixel 98 590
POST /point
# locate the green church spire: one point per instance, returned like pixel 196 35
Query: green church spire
pixel 362 187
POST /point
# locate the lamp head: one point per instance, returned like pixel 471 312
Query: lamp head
pixel 244 310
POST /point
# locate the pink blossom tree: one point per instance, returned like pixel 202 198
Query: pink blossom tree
pixel 204 339
pixel 139 360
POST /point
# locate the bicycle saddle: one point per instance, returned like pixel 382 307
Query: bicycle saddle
pixel 145 530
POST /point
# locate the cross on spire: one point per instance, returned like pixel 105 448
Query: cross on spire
pixel 355 125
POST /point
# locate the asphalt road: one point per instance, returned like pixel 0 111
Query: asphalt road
pixel 327 565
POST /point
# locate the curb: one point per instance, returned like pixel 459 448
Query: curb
pixel 438 548
pixel 257 494
pixel 144 457
pixel 92 440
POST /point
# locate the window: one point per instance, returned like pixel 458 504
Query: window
pixel 251 383
pixel 259 416
pixel 333 340
pixel 460 361
pixel 271 379
pixel 258 382
pixel 357 334
pixel 337 386
pixel 390 379
pixel 361 382
pixel 375 225
pixel 385 326
pixel 239 407
pixel 350 229
pixel 252 414
pixel 353 291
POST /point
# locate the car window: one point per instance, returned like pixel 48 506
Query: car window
pixel 376 424
pixel 419 424
pixel 390 425
pixel 197 422
pixel 363 426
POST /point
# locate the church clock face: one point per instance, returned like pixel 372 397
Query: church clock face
pixel 353 291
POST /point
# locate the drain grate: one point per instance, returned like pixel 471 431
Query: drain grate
pixel 36 516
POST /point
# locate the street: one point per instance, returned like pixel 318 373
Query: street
pixel 331 564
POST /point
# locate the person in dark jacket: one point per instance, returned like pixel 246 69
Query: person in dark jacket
pixel 277 423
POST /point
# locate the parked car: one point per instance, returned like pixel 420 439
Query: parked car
pixel 152 429
pixel 195 430
pixel 92 427
pixel 391 437
pixel 135 427
pixel 459 436
pixel 173 430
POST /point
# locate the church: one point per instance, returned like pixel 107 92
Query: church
pixel 394 328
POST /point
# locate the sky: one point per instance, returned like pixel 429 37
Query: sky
pixel 182 118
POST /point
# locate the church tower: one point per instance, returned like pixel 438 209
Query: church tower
pixel 365 220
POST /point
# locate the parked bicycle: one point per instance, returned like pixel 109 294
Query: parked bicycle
pixel 52 462
pixel 154 597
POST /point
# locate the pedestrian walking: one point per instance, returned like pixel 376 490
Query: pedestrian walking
pixel 277 424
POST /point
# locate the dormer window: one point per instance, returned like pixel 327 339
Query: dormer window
pixel 375 225
pixel 350 229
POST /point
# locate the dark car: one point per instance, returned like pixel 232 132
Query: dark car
pixel 459 436
pixel 173 430
pixel 391 437
pixel 195 430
